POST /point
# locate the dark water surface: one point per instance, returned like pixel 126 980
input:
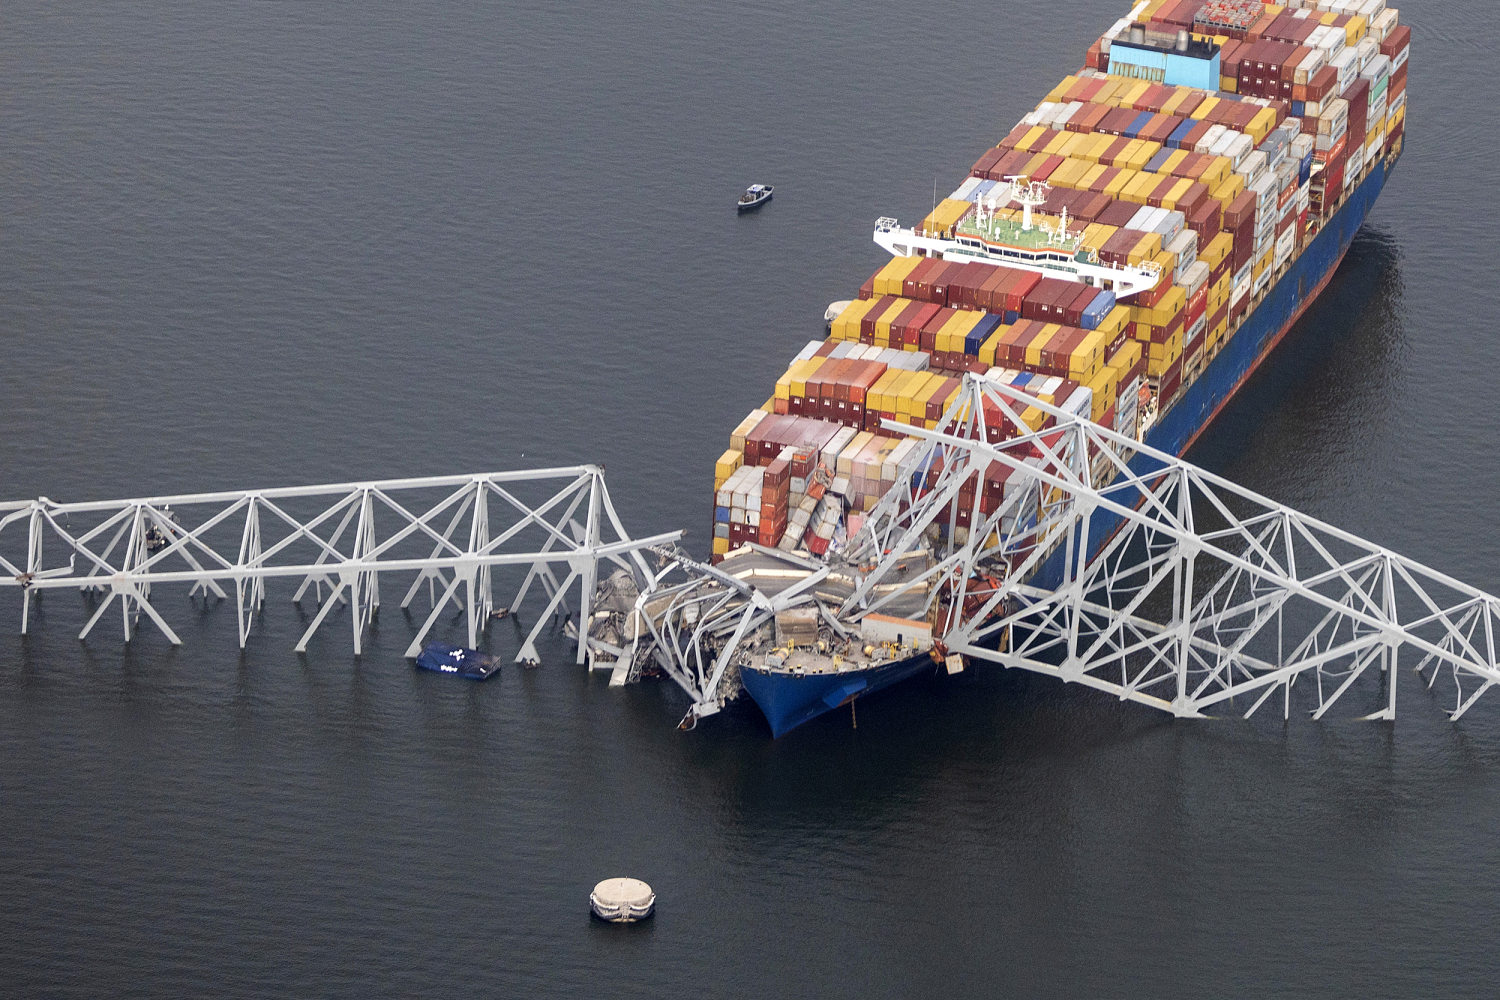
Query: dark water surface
pixel 251 244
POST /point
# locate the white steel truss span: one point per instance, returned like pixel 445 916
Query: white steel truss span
pixel 456 534
pixel 1205 598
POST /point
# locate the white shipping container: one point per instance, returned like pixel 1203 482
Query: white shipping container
pixel 1169 223
pixel 964 190
pixel 1141 219
pixel 1239 147
pixel 1310 64
pixel 1195 276
pixel 1377 70
pixel 1252 168
pixel 1185 246
pixel 1367 49
pixel 1209 138
pixel 1382 26
pixel 1347 64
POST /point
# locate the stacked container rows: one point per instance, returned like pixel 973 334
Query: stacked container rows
pixel 1215 190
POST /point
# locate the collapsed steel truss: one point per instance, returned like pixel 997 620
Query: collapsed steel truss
pixel 453 533
pixel 1201 597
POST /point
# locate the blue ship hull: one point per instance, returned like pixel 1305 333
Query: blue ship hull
pixel 788 700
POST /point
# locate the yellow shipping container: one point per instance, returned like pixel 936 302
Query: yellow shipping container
pixel 1160 356
pixel 946 215
pixel 1055 142
pixel 1201 111
pixel 1139 188
pixel 1098 143
pixel 1229 84
pixel 889 280
pixel 1148 247
pixel 1218 170
pixel 1134 93
pixel 1354 30
pixel 878 396
pixel 1104 384
pixel 1068 174
pixel 905 387
pixel 721 546
pixel 1179 95
pixel 1170 305
pixel 1114 322
pixel 886 318
pixel 1261 125
pixel 1038 135
pixel 801 372
pixel 1167 261
pixel 1141 152
pixel 1034 348
pixel 856 444
pixel 1078 143
pixel 1177 191
pixel 1229 189
pixel 958 326
pixel 924 397
pixel 1216 332
pixel 769 406
pixel 725 467
pixel 1126 357
pixel 1056 93
pixel 1117 183
pixel 1173 161
pixel 1033 418
pixel 846 324
pixel 1087 357
pixel 1096 233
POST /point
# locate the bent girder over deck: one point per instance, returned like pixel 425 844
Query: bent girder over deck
pixel 1203 597
pixel 453 533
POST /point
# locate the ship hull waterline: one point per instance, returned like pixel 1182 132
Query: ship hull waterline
pixel 789 700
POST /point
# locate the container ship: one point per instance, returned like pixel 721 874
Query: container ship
pixel 1130 251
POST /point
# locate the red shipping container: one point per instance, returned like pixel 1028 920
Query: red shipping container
pixel 1171 381
pixel 933 325
pixel 1013 343
pixel 1197 305
pixel 867 290
pixel 867 322
pixel 1398 39
pixel 1072 310
pixel 1118 213
pixel 1204 220
pixel 985 162
pixel 1358 96
pixel 912 283
pixel 1021 285
pixel 991 296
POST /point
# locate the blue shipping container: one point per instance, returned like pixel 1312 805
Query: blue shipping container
pixel 1179 133
pixel 1133 130
pixel 980 333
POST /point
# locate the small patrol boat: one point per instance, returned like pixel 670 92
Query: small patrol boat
pixel 755 196
pixel 446 658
